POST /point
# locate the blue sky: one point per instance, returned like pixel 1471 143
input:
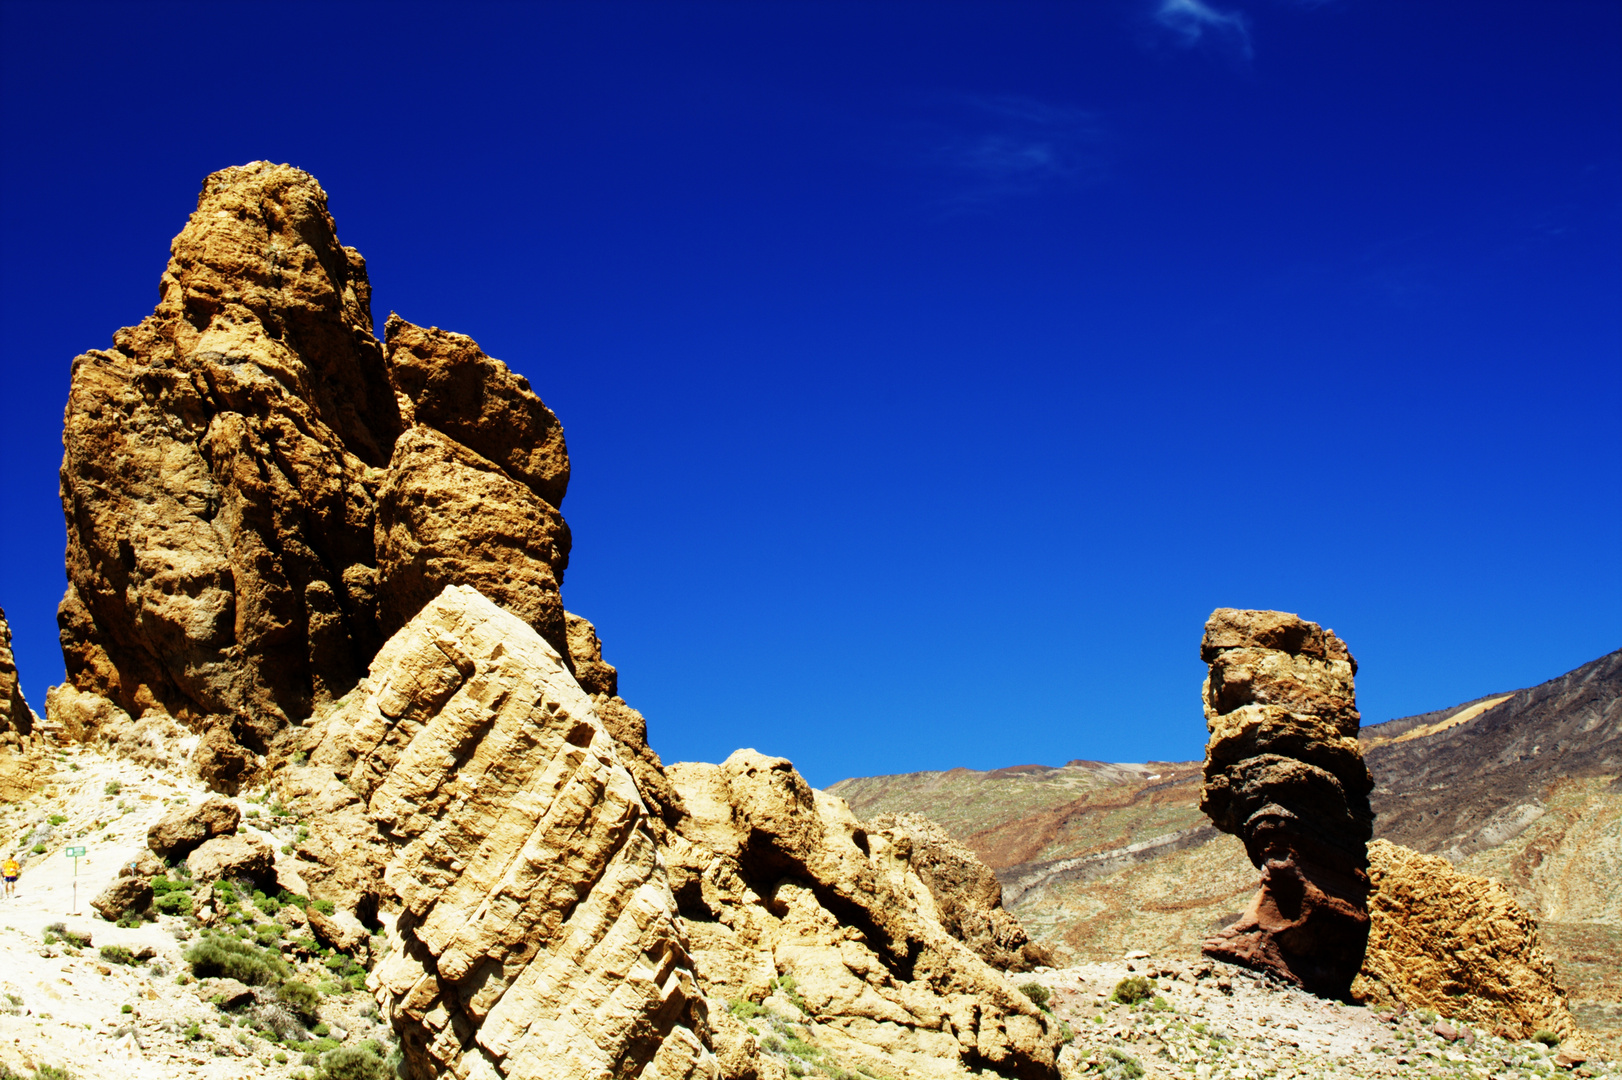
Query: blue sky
pixel 929 370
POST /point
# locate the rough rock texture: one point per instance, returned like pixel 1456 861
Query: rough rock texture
pixel 629 728
pixel 777 879
pixel 968 897
pixel 1283 772
pixel 258 491
pixel 126 893
pixel 183 829
pixel 17 720
pixel 447 516
pixel 233 858
pixel 538 934
pixel 219 471
pixel 1457 944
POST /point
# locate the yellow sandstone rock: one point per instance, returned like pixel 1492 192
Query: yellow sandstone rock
pixel 1456 944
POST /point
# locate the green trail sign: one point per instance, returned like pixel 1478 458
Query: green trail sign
pixel 75 853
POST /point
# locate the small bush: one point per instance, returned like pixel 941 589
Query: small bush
pixel 38 849
pixel 744 1009
pixel 222 957
pixel 118 954
pixel 1038 994
pixel 280 1058
pixel 113 787
pixel 58 819
pixel 1425 1016
pixel 1547 1038
pixel 301 999
pixel 129 920
pixel 325 907
pixel 174 903
pixel 1133 989
pixel 1119 1065
pixel 126 1008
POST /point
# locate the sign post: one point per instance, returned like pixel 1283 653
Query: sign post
pixel 74 853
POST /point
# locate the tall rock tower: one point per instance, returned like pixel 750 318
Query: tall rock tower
pixel 1284 773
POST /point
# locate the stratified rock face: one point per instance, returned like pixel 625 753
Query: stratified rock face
pixel 1284 774
pixel 16 718
pixel 219 471
pixel 779 880
pixel 470 782
pixel 968 896
pixel 1457 944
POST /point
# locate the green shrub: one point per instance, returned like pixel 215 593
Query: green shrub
pixel 163 883
pixel 58 819
pixel 1547 1038
pixel 176 902
pixel 325 907
pixel 225 893
pixel 222 957
pixel 1118 1065
pixel 113 787
pixel 744 1009
pixel 302 999
pixel 117 954
pixel 126 1008
pixel 1133 989
pixel 38 849
pixel 1067 1034
pixel 1038 994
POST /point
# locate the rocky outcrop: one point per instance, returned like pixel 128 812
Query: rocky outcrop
pixel 469 782
pixel 1283 772
pixel 258 491
pixel 968 897
pixel 183 829
pixel 219 470
pixel 779 881
pixel 1456 944
pixel 17 720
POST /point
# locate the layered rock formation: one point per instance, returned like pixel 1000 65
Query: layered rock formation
pixel 552 925
pixel 1283 772
pixel 777 879
pixel 1457 944
pixel 258 492
pixel 538 934
pixel 16 718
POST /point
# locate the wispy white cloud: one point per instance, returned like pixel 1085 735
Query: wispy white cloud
pixel 1196 22
pixel 1002 146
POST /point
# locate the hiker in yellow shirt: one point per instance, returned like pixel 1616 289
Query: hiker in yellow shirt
pixel 9 870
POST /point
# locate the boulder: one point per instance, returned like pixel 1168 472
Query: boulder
pixel 537 934
pixel 1284 773
pixel 182 829
pixel 232 858
pixel 228 994
pixel 221 762
pixel 125 893
pixel 17 720
pixel 1457 944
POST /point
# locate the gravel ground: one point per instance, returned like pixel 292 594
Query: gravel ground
pixel 1210 1021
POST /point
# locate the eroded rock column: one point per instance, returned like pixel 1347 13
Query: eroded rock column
pixel 1283 772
